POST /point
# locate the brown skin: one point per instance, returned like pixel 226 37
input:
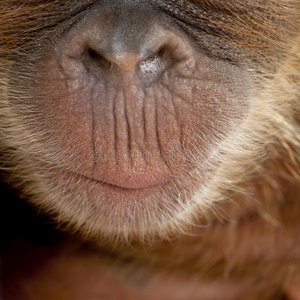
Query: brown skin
pixel 161 139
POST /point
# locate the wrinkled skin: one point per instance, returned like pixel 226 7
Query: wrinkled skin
pixel 146 129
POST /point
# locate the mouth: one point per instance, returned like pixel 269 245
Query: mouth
pixel 120 206
pixel 131 185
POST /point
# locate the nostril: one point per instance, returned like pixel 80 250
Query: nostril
pixel 156 64
pixel 158 55
pixel 97 58
pixel 93 54
pixel 161 51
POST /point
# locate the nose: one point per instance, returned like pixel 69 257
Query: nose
pixel 143 59
pixel 149 53
pixel 113 41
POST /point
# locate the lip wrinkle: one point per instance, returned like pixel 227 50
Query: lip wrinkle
pixel 129 129
pixel 144 118
pixel 93 133
pixel 114 115
pixel 122 131
pixel 160 146
pixel 176 113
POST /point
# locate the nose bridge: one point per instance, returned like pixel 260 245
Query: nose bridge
pixel 129 33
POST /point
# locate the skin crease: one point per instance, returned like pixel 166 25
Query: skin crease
pixel 152 148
